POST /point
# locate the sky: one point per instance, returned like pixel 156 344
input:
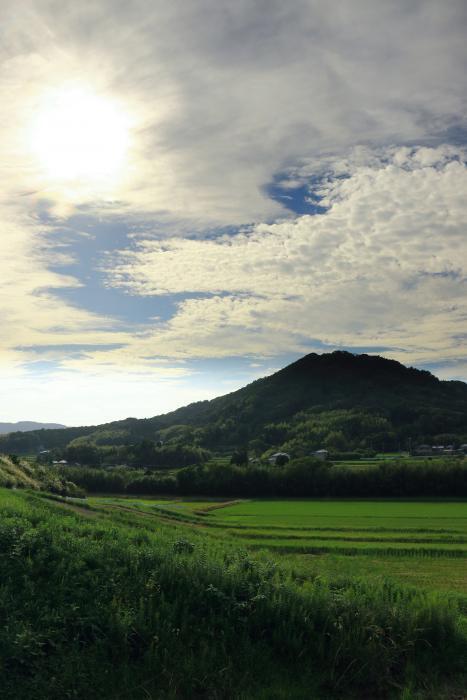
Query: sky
pixel 194 194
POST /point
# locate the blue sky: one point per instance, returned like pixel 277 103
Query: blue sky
pixel 196 194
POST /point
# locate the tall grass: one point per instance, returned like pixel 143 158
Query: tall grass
pixel 95 608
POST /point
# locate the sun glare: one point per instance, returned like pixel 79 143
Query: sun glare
pixel 80 136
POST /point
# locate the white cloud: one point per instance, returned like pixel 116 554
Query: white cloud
pixel 385 265
pixel 31 313
pixel 226 95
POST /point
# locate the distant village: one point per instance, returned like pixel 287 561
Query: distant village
pixel 280 458
pixel 436 450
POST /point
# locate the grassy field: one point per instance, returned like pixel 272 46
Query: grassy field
pixel 417 542
pixel 421 543
pixel 389 457
pixel 156 598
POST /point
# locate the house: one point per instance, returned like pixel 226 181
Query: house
pixel 279 458
pixel 320 454
pixel 423 450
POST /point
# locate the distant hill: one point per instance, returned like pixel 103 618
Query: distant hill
pixel 340 400
pixel 26 425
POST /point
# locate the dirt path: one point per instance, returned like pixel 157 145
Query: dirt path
pixel 158 515
pixel 216 506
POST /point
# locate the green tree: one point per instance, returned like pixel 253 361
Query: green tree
pixel 336 441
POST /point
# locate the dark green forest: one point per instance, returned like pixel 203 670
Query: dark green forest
pixel 303 477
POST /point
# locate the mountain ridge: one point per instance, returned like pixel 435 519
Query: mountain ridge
pixel 407 401
pixel 28 425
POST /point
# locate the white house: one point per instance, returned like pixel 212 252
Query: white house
pixel 321 454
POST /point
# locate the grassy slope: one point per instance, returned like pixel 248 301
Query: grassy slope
pixel 124 604
pixel 25 475
pixel 17 475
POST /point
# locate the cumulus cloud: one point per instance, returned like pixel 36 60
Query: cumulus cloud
pixel 31 313
pixel 385 264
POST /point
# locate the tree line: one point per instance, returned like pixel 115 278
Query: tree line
pixel 303 477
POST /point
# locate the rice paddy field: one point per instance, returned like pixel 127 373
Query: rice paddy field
pixel 422 543
pixel 368 462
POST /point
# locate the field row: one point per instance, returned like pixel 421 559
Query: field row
pixel 424 543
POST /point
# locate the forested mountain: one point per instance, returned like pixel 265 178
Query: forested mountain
pixel 340 401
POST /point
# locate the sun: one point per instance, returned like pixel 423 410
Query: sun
pixel 80 136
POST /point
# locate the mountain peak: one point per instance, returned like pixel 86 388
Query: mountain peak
pixel 363 365
pixel 404 400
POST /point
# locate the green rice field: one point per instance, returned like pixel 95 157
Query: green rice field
pixel 422 543
pixel 368 462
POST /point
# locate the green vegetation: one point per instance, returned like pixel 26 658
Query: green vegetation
pixel 19 473
pixel 15 472
pixel 415 541
pixel 378 527
pixel 135 599
pixel 186 595
pixel 354 405
pixel 300 477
